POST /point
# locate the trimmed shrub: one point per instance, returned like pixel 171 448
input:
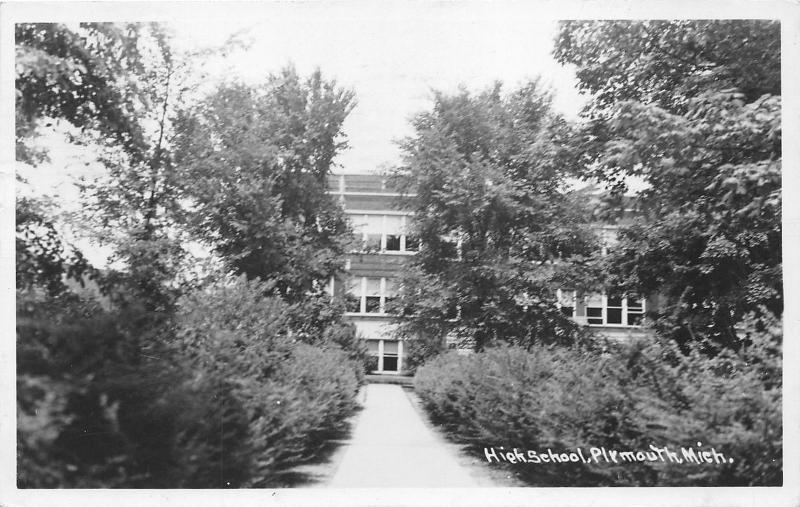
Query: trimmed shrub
pixel 95 411
pixel 417 352
pixel 293 414
pixel 547 398
pixel 224 394
pixel 626 399
pixel 370 364
pixel 295 395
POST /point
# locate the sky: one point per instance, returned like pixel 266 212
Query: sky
pixel 393 55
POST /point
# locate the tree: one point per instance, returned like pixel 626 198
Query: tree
pixel 253 162
pixel 666 63
pixel 133 207
pixel 496 227
pixel 113 83
pixel 109 395
pixel 43 259
pixel 81 364
pixel 693 108
pixel 78 75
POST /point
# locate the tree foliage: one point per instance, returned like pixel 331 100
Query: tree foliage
pixel 79 75
pixel 693 108
pixel 492 217
pixel 253 164
pixel 154 385
pixel 112 82
pixel 43 259
pixel 666 63
pixel 296 385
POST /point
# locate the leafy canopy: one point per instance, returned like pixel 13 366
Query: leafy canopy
pixel 80 75
pixel 492 218
pixel 253 164
pixel 694 109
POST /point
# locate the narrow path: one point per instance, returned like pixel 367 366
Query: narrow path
pixel 391 446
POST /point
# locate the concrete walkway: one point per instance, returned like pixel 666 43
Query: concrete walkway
pixel 391 446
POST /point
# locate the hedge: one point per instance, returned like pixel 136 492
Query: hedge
pixel 625 398
pixel 296 395
pixel 223 394
pixel 94 410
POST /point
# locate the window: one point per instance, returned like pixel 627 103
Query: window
pixel 412 243
pixel 390 355
pixel 372 299
pixel 369 294
pixel 614 309
pixel 372 229
pixel 352 296
pixel 566 302
pixel 373 350
pixel 594 309
pixel 389 293
pixel 386 355
pixel 392 242
pixel 383 233
pixel 608 239
pixel 635 312
pixel 372 242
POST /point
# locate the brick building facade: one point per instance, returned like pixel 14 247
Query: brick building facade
pixel 373 209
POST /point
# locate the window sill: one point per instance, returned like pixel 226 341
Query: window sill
pixel 382 252
pixel 627 326
pixel 370 314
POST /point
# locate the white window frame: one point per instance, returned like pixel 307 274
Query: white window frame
pixel 604 312
pixel 560 298
pixel 342 191
pixel 362 284
pixel 608 238
pixel 384 233
pixel 381 355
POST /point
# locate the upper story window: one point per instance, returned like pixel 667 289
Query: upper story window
pixel 369 295
pixel 611 309
pixel 608 239
pixel 602 308
pixel 566 302
pixel 384 233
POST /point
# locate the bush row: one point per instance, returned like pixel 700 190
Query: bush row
pixel 295 394
pixel 624 398
pixel 225 394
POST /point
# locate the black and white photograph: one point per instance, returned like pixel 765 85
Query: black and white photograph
pixel 398 253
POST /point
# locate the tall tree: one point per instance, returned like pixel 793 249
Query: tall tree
pixel 493 218
pixel 666 63
pixel 116 84
pixel 693 108
pixel 254 162
pixel 77 75
pixel 115 388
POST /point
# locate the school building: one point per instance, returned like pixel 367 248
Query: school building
pixel 370 283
